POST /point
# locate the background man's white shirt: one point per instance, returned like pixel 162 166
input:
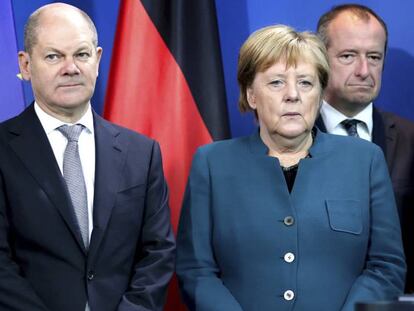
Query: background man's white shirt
pixel 332 119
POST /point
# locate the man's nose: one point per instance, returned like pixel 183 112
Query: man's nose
pixel 70 67
pixel 362 68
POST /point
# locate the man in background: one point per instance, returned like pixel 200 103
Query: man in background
pixel 84 217
pixel 356 40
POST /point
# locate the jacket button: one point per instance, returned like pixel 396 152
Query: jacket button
pixel 288 295
pixel 289 257
pixel 288 221
pixel 91 275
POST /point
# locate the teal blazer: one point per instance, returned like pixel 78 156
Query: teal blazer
pixel 246 243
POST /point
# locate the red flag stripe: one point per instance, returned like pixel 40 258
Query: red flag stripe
pixel 147 92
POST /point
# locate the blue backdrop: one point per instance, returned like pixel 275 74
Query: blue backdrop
pixel 11 94
pixel 237 19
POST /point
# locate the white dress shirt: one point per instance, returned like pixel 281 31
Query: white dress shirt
pixel 86 145
pixel 332 119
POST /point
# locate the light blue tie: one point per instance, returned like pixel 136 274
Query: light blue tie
pixel 73 174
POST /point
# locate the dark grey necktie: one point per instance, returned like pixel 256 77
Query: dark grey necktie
pixel 73 174
pixel 350 126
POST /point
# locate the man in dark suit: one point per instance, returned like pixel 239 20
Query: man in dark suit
pixel 84 217
pixel 356 40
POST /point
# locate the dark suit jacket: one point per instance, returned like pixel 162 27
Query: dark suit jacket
pixel 43 263
pixel 395 136
pixel 233 234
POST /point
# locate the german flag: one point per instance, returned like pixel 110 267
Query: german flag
pixel 166 81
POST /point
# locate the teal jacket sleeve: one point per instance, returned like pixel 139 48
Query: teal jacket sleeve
pixel 197 270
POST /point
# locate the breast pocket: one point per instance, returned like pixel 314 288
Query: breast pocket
pixel 130 198
pixel 345 215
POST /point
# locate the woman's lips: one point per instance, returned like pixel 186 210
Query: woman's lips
pixel 291 114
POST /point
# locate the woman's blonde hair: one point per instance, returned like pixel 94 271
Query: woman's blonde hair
pixel 272 44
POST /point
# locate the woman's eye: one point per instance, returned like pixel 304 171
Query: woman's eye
pixel 305 83
pixel 276 82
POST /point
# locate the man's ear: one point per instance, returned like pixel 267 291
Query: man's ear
pixel 251 99
pixel 99 51
pixel 24 65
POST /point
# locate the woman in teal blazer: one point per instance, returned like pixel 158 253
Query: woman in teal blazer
pixel 288 218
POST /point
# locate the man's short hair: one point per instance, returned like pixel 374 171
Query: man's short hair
pixel 361 11
pixel 33 23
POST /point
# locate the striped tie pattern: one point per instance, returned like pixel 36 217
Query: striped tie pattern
pixel 73 175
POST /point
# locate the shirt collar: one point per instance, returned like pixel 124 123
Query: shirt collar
pixel 50 123
pixel 332 118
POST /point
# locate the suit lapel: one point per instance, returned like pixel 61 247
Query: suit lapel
pixel 109 160
pixel 320 124
pixel 384 135
pixel 33 148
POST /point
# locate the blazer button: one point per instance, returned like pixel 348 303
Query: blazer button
pixel 288 295
pixel 289 220
pixel 91 275
pixel 289 257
